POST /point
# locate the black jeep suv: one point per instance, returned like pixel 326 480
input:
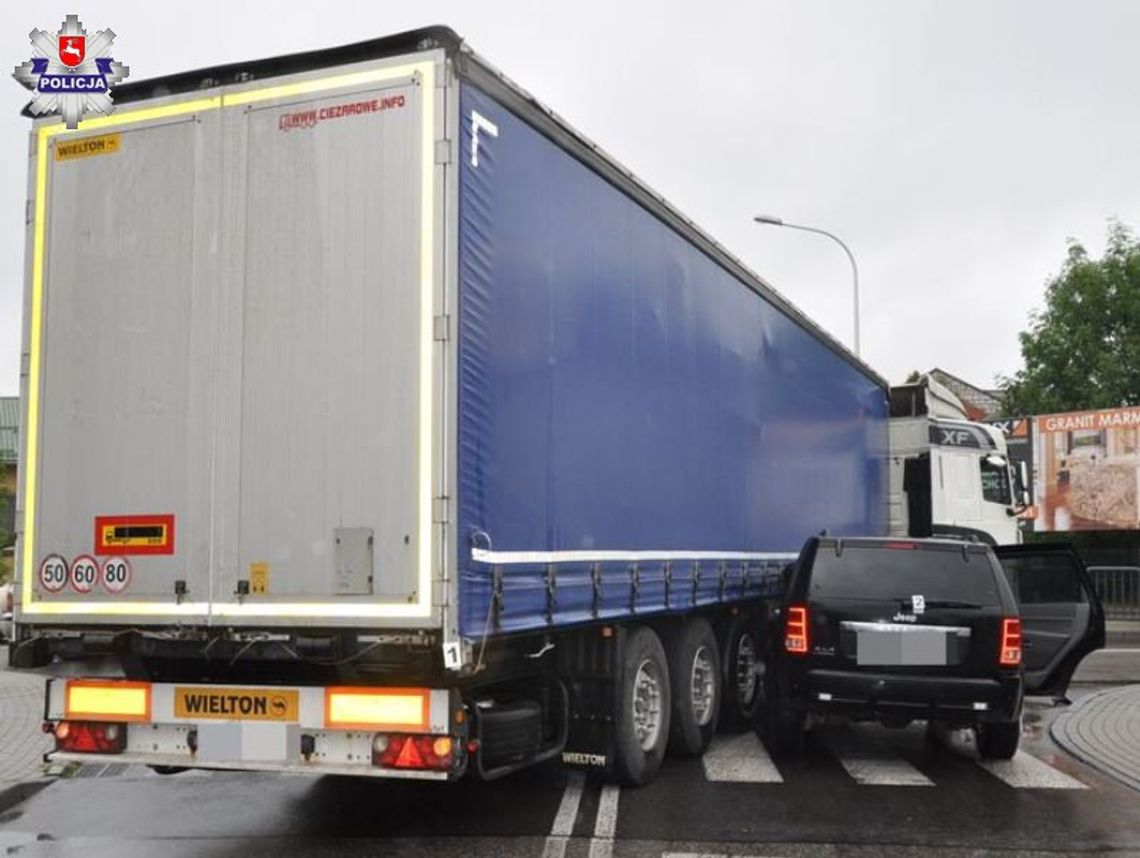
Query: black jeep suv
pixel 929 629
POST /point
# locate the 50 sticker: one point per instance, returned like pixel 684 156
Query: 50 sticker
pixel 53 573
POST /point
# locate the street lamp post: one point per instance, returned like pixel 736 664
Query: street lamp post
pixel 775 221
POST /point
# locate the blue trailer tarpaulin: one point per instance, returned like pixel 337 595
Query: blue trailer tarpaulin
pixel 639 429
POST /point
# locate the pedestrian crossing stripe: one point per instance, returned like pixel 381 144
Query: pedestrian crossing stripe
pixel 871 762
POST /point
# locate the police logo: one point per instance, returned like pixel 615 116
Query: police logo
pixel 71 74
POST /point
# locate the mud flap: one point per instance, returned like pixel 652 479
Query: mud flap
pixel 590 666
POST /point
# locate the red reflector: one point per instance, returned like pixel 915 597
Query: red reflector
pixel 409 757
pixel 796 630
pixel 416 752
pixel 90 737
pixel 1010 653
pixel 906 546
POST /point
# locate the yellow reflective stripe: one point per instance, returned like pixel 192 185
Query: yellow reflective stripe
pixel 422 607
pixel 307 87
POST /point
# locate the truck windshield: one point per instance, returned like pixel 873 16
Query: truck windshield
pixel 876 572
pixel 995 482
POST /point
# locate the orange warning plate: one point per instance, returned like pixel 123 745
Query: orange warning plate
pixel 134 534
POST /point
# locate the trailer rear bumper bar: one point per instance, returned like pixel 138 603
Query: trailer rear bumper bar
pixel 376 731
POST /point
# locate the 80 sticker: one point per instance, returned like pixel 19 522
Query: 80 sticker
pixel 53 573
pixel 84 573
pixel 116 574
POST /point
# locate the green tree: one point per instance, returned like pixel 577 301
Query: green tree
pixel 1083 350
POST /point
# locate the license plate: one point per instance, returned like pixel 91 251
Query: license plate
pixel 236 704
pixel 244 741
pixel 916 647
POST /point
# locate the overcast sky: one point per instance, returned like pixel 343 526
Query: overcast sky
pixel 954 145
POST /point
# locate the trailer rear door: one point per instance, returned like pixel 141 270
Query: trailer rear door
pixel 231 399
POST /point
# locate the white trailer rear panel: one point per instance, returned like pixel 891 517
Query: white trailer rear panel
pixel 234 385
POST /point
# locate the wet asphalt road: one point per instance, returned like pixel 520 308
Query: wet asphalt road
pixel 857 791
pixel 888 792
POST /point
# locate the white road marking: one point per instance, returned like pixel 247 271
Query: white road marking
pixel 563 825
pixel 872 762
pixel 741 759
pixel 707 855
pixel 1025 771
pixel 602 844
pixel 883 771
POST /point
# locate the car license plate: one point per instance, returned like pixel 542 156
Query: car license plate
pixel 900 647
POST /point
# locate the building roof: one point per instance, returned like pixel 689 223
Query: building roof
pixel 9 429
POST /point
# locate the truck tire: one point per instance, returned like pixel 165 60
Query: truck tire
pixel 694 669
pixel 642 723
pixel 743 670
pixel 998 741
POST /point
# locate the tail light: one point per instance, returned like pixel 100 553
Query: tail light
pixel 90 737
pixel 395 751
pixel 1010 653
pixel 796 630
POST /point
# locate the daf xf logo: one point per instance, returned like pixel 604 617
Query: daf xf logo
pixel 955 437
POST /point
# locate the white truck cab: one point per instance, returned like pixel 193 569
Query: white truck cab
pixel 949 476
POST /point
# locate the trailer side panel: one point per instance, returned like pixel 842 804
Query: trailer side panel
pixel 620 391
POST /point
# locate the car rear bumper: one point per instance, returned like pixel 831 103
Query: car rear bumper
pixel 875 696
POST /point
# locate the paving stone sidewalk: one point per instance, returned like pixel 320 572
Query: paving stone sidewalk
pixel 22 741
pixel 1104 731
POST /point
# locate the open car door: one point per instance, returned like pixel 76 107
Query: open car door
pixel 1062 619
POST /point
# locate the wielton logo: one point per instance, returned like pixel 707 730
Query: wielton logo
pixel 70 73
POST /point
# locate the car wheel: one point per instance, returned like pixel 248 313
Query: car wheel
pixel 643 714
pixel 999 740
pixel 785 731
pixel 694 668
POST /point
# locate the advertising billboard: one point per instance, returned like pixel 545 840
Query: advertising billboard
pixel 1088 469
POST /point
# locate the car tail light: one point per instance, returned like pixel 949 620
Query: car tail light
pixel 1010 653
pixel 905 546
pixel 396 751
pixel 796 630
pixel 90 737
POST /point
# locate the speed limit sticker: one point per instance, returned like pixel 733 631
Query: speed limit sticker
pixel 116 574
pixel 53 573
pixel 84 573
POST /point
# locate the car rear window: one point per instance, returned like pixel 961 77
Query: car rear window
pixel 876 572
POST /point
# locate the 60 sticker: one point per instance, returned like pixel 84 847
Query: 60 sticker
pixel 116 574
pixel 53 573
pixel 84 573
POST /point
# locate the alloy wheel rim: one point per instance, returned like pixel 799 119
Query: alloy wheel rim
pixel 647 705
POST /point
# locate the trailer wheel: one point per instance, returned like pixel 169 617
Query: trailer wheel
pixel 743 673
pixel 694 666
pixel 643 709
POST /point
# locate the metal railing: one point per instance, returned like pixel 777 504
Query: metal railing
pixel 1119 590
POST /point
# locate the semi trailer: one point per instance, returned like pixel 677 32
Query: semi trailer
pixel 378 422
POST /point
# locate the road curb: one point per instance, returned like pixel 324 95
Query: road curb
pixel 1086 732
pixel 14 793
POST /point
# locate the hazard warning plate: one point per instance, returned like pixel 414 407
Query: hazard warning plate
pixel 236 704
